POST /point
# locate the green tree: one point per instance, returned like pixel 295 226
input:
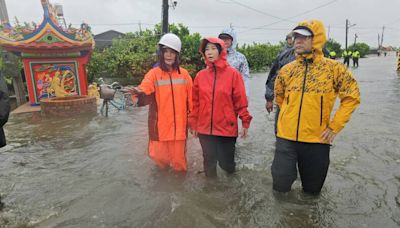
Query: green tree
pixel 363 48
pixel 9 67
pixel 133 55
pixel 333 45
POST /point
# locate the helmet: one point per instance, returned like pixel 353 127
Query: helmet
pixel 172 41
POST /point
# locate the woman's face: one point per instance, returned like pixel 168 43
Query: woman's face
pixel 211 52
pixel 169 56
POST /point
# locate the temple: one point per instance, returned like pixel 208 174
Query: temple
pixel 54 56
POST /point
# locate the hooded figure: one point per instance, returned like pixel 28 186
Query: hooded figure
pixel 4 109
pixel 306 90
pixel 219 98
pixel 235 58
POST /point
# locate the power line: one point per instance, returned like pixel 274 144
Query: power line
pixel 259 11
pixel 225 2
pixel 297 15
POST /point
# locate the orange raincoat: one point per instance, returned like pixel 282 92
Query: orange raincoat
pixel 171 104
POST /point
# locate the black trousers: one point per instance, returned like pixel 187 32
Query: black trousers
pixel 312 160
pixel 355 62
pixel 346 61
pixel 218 149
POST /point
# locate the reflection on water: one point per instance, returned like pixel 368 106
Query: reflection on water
pixel 94 172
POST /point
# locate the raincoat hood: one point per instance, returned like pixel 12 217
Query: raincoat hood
pixel 231 33
pixel 319 36
pixel 221 61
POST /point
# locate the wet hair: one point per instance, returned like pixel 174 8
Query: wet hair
pixel 203 50
pixel 161 62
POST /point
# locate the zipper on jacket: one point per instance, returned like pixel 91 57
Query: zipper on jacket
pixel 173 104
pixel 301 99
pixel 212 101
pixel 322 108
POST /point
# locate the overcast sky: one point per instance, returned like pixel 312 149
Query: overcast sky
pixel 258 21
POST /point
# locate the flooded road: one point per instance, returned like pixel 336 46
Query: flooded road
pixel 96 173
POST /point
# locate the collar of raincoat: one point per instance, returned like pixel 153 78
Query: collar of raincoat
pixel 221 61
pixel 318 42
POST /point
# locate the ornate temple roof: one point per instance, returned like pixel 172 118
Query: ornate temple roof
pixel 47 38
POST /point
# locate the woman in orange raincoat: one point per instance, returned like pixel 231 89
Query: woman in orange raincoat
pixel 169 88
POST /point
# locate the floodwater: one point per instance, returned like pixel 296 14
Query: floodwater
pixel 95 172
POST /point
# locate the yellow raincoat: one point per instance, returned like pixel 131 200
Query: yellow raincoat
pixel 306 90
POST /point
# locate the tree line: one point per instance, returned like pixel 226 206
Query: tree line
pixel 131 56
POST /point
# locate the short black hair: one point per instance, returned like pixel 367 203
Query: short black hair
pixel 203 50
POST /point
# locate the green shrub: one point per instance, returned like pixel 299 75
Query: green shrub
pixel 363 48
pixel 260 56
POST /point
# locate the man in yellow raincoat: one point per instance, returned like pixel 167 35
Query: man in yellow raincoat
pixel 305 91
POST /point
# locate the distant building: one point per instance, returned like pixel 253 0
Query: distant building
pixel 104 40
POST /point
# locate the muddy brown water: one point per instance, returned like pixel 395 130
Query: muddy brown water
pixel 94 172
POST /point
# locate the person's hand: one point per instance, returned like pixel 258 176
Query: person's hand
pixel 193 132
pixel 135 90
pixel 269 106
pixel 328 136
pixel 244 132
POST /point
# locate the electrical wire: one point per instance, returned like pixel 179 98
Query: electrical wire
pixel 259 11
pixel 297 15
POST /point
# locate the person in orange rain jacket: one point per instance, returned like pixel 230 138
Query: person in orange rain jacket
pixel 169 88
pixel 219 97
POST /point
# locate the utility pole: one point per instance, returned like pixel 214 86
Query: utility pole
pixel 3 11
pixel 140 28
pixel 329 31
pixel 379 42
pixel 355 38
pixel 348 25
pixel 165 8
pixel 383 30
pixel 347 31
